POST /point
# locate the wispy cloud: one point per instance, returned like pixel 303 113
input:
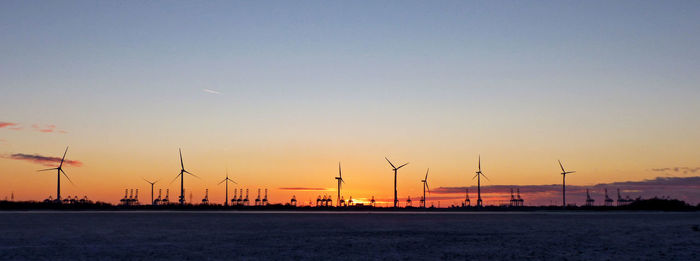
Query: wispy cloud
pixel 684 170
pixel 305 189
pixel 43 160
pixel 50 128
pixel 47 128
pixel 211 91
pixel 9 125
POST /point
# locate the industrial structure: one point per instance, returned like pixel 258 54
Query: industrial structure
pixel 205 200
pixel 129 198
pixel 293 202
pixel 622 201
pixel 467 201
pixel 608 200
pixel 589 201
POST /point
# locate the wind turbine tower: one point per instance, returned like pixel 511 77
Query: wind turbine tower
pixel 425 186
pixel 396 199
pixel 182 179
pixel 59 170
pixel 227 180
pixel 152 183
pixel 563 183
pixel 478 175
pixel 340 181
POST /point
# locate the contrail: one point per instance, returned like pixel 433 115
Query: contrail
pixel 211 91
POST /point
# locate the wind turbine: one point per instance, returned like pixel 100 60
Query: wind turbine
pixel 59 170
pixel 182 179
pixel 152 183
pixel 425 186
pixel 227 180
pixel 396 199
pixel 563 183
pixel 340 181
pixel 478 183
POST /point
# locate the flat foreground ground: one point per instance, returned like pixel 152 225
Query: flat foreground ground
pixel 349 236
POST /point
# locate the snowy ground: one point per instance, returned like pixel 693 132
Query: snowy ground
pixel 349 236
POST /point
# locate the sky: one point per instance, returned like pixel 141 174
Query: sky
pixel 279 92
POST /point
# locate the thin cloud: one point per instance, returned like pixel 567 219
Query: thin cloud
pixel 684 170
pixel 7 124
pixel 684 188
pixel 47 128
pixel 43 160
pixel 50 128
pixel 305 189
pixel 211 91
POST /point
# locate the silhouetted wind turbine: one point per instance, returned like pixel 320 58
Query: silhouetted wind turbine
pixel 478 183
pixel 396 199
pixel 425 186
pixel 340 180
pixel 59 170
pixel 182 179
pixel 152 183
pixel 563 183
pixel 227 180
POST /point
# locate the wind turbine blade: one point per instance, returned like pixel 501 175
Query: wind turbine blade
pixel 64 174
pixel 222 182
pixel 571 172
pixel 178 175
pixel 402 165
pixel 562 166
pixel 477 174
pixel 181 163
pixel 191 174
pixel 233 181
pixel 427 187
pixel 340 172
pixel 487 178
pixel 392 165
pixel 480 162
pixel 47 169
pixel 426 174
pixel 64 157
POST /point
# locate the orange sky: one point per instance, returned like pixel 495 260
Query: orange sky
pixel 104 175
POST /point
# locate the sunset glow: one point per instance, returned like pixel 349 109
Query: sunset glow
pixel 278 96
